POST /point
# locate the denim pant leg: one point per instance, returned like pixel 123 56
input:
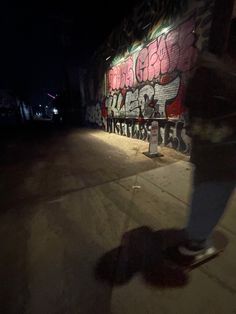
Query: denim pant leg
pixel 209 200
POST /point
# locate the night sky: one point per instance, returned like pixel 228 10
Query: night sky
pixel 38 38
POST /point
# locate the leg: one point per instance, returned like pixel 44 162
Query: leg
pixel 209 201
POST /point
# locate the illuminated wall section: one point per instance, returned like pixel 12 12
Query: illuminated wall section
pixel 150 83
pixel 148 80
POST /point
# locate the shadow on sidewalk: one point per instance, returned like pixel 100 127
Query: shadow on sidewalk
pixel 141 251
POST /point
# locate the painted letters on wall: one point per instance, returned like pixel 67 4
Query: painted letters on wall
pixel 150 83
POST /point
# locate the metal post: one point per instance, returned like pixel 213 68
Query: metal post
pixel 153 142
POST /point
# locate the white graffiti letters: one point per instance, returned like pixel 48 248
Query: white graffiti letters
pixel 166 92
pixel 144 101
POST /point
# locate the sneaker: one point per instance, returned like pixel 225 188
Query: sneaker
pixel 192 248
pixel 188 254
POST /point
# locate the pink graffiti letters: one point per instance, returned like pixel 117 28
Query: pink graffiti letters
pixel 122 75
pixel 172 51
pixel 150 83
pixel 169 52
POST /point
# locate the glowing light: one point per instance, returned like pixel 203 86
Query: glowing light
pixel 108 58
pixel 53 97
pixel 136 48
pixel 158 31
pixel 55 111
pixel 165 30
pixel 118 60
pixel 146 26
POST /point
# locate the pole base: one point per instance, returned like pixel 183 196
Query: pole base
pixel 153 155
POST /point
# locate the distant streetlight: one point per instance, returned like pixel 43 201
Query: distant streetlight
pixel 146 26
pixel 53 97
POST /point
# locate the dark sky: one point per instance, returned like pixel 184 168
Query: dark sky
pixel 38 38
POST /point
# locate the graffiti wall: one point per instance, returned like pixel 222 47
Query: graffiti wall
pixel 149 83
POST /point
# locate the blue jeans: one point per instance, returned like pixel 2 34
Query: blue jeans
pixel 209 201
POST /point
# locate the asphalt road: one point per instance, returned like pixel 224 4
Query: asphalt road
pixel 57 217
pixel 45 162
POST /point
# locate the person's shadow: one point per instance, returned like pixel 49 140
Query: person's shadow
pixel 142 251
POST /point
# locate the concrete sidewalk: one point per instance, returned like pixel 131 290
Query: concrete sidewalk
pixel 104 213
pixel 162 202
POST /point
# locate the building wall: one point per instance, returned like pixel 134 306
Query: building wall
pixel 150 83
pixel 147 81
pixel 12 110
